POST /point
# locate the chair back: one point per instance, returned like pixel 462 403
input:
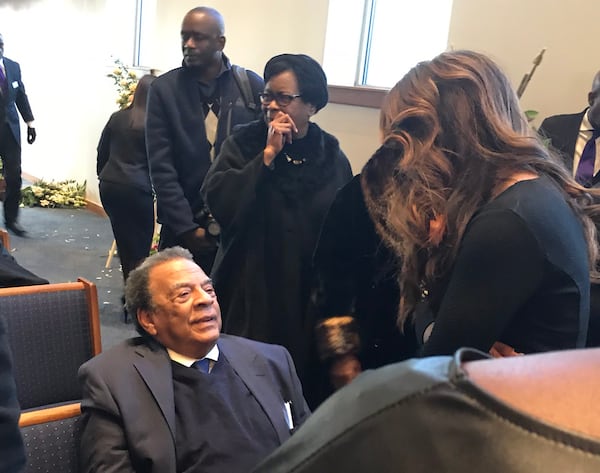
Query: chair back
pixel 51 438
pixel 52 329
pixel 5 239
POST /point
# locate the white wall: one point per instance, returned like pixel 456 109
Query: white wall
pixel 255 30
pixel 63 48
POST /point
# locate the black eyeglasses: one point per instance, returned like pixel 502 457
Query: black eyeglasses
pixel 283 100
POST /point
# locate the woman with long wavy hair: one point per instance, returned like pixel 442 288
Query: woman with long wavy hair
pixel 492 232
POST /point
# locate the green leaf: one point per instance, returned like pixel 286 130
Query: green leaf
pixel 531 114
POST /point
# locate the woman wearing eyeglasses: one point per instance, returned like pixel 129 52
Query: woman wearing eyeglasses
pixel 269 189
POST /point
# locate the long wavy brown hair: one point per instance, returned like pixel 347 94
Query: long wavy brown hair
pixel 453 135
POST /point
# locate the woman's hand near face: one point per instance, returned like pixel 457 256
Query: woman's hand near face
pixel 281 129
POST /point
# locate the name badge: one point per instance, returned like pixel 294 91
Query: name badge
pixel 15 84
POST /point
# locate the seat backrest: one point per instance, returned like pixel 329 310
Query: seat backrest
pixel 5 239
pixel 51 438
pixel 52 329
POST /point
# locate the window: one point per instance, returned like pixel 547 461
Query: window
pixel 132 22
pixel 122 17
pixel 375 42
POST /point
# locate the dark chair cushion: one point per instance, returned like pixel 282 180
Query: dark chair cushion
pixel 49 335
pixel 53 447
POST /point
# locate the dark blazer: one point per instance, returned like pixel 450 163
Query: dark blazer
pixel 562 131
pixel 15 96
pixel 178 151
pixel 129 409
pixel 2 108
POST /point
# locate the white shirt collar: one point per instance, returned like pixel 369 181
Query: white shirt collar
pixel 212 355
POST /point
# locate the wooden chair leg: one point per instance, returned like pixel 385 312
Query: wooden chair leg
pixel 111 253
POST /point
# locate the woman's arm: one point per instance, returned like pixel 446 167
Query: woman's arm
pixel 103 149
pixel 343 255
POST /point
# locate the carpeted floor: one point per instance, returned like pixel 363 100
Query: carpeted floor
pixel 64 244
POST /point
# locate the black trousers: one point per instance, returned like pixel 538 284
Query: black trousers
pixel 10 152
pixel 131 214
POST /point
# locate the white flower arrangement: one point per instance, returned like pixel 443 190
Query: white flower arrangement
pixel 63 194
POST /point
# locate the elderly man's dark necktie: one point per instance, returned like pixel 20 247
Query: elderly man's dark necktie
pixel 585 169
pixel 202 365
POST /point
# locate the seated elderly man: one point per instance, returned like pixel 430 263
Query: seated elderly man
pixel 182 397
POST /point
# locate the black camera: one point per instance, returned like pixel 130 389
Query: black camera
pixel 205 219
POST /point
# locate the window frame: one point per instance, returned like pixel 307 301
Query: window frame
pixel 357 95
pixel 361 95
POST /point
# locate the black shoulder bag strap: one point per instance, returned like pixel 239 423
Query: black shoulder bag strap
pixel 241 78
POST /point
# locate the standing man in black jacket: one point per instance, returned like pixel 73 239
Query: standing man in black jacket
pixel 191 110
pixel 13 96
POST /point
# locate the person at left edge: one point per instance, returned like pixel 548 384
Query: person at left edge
pixel 146 407
pixel 13 96
pixel 12 452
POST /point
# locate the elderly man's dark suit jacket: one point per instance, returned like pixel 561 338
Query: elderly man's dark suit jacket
pixel 15 96
pixel 129 409
pixel 563 131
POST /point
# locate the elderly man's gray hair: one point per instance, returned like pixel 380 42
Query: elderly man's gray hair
pixel 137 291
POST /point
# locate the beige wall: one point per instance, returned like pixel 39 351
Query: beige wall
pixel 64 62
pixel 514 31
